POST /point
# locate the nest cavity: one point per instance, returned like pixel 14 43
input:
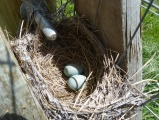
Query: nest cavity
pixel 105 94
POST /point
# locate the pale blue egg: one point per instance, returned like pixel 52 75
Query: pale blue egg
pixel 76 81
pixel 73 69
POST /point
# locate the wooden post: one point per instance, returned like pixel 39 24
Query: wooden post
pixel 117 19
pixel 10 15
pixel 51 5
pixel 16 99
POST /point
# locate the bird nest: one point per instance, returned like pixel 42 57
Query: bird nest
pixel 106 94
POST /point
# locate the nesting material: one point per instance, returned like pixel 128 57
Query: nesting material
pixel 105 94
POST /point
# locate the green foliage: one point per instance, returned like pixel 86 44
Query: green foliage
pixel 150 37
pixel 147 115
pixel 67 7
pixel 150 41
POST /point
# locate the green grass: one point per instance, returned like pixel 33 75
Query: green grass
pixel 69 8
pixel 150 41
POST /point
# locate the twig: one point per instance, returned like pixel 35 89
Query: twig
pixel 122 117
pixel 154 90
pixel 21 27
pixel 83 105
pixel 1 117
pixel 90 118
pixel 132 117
pixel 150 99
pixel 147 80
pixel 143 66
pixel 82 89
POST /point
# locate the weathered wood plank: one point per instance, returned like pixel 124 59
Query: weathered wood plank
pixel 134 54
pixel 109 19
pixel 51 5
pixel 15 95
pixel 10 15
pixel 117 19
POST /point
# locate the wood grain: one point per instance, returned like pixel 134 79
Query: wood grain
pixel 10 15
pixel 117 19
pixel 15 95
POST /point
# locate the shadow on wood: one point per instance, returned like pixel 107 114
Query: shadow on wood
pixel 12 116
pixel 10 65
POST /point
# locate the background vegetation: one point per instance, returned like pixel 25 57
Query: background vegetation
pixel 150 42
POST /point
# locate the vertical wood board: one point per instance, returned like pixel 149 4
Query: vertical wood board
pixel 133 60
pixel 10 15
pixel 134 54
pixel 108 19
pixel 117 19
pixel 16 99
